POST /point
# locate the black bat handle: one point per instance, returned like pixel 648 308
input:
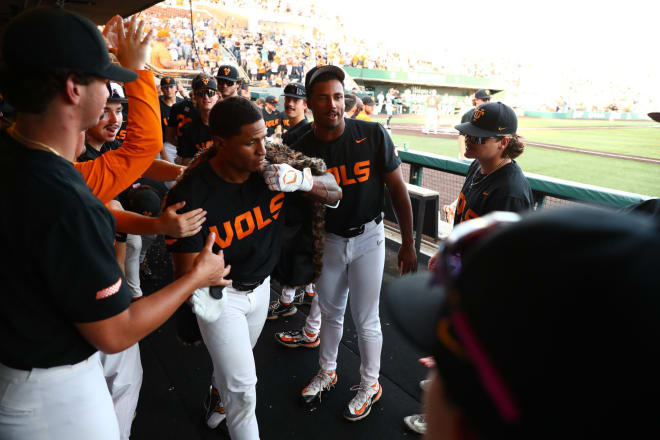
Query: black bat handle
pixel 216 291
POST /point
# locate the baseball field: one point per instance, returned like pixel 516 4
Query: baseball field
pixel 623 155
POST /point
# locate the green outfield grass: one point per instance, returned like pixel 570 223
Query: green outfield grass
pixel 633 141
pixel 621 174
pixel 523 122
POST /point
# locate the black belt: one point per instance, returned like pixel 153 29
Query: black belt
pixel 358 230
pixel 246 286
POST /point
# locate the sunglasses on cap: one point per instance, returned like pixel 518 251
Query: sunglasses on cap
pixel 454 331
pixel 478 140
pixel 205 92
pixel 226 82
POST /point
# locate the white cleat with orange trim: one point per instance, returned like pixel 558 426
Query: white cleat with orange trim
pixel 323 381
pixel 360 406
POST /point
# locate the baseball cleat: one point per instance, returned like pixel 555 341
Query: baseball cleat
pixel 416 423
pixel 360 406
pixel 214 411
pixel 323 381
pixel 277 309
pixel 298 338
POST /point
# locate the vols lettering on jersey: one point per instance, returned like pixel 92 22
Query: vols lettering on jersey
pixel 246 223
pixel 359 173
pixel 273 123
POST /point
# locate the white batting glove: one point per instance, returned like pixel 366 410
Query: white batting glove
pixel 283 177
pixel 207 308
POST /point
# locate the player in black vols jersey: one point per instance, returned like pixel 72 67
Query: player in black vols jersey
pixel 194 133
pixel 243 211
pixel 272 116
pixel 362 158
pixel 295 105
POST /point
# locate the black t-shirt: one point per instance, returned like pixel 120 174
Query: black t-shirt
pixel 272 120
pixel 60 265
pixel 165 112
pixel 467 116
pixel 92 153
pixel 181 114
pixel 294 133
pixel 505 189
pixel 244 217
pixel 195 136
pixel 358 159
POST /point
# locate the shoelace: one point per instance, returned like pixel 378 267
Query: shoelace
pixel 362 394
pixel 321 377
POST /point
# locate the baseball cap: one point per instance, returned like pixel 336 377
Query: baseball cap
pixel 482 94
pixel 490 119
pixel 295 90
pixel 368 100
pixel 314 73
pixel 167 81
pixel 227 72
pixel 271 99
pixel 73 43
pixel 204 82
pixel 115 93
pixel 655 116
pixel 543 324
pixel 143 199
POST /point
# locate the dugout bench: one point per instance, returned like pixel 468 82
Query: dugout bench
pixel 423 201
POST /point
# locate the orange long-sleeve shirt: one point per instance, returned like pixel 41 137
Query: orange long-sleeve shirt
pixel 114 171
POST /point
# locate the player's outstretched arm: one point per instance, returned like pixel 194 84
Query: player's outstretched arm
pixel 169 223
pixel 163 171
pixel 111 173
pixel 407 257
pixel 119 332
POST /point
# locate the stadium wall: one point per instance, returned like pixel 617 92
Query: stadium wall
pixel 575 114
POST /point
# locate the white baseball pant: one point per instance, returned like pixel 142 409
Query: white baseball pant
pixel 230 341
pixel 313 321
pixel 68 402
pixel 352 265
pixel 123 374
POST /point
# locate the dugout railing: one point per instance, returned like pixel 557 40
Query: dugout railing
pixel 446 175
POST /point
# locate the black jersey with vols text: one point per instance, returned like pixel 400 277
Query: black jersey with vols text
pixel 505 189
pixel 244 217
pixel 165 112
pixel 60 266
pixel 181 114
pixel 358 159
pixel 195 136
pixel 272 120
pixel 294 133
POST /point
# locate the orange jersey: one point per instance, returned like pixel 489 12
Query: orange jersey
pixel 114 171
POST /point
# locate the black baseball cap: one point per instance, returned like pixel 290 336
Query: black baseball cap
pixel 73 43
pixel 368 100
pixel 490 119
pixel 114 94
pixel 204 82
pixel 271 99
pixel 655 116
pixel 546 325
pixel 295 90
pixel 482 94
pixel 167 81
pixel 143 199
pixel 314 73
pixel 227 72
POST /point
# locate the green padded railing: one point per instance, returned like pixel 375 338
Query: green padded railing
pixel 542 186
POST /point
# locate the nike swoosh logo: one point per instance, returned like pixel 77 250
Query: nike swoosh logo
pixel 358 141
pixel 501 128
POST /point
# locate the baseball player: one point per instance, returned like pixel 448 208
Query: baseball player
pixel 272 117
pixel 432 103
pixel 71 299
pixel 194 133
pixel 228 81
pixel 361 157
pixel 244 211
pixel 168 87
pixel 494 181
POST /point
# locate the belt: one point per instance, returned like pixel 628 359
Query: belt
pixel 358 230
pixel 246 286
